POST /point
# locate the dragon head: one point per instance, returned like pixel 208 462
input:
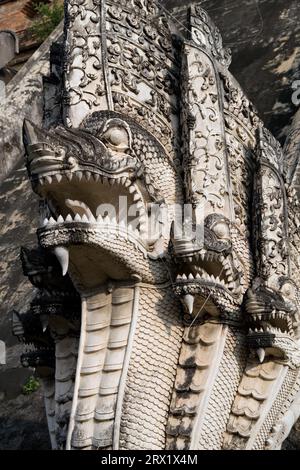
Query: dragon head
pixel 213 270
pixel 99 183
pixel 273 318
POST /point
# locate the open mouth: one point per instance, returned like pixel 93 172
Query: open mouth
pixel 88 198
pixel 98 226
pixel 211 269
pixel 272 323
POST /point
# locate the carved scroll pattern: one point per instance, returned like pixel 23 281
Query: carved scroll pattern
pixel 204 149
pixel 206 34
pixel 84 80
pixel 144 68
pixel 240 114
pixel 121 57
pixel 271 219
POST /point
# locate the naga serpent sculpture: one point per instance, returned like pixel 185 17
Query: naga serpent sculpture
pixel 186 339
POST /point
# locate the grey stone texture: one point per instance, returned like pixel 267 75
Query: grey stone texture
pixel 265 39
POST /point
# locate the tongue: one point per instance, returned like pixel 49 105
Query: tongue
pixel 79 208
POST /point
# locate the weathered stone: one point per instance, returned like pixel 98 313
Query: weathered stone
pixel 207 301
pixel 97 259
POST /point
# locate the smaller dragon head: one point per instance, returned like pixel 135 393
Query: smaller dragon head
pixel 273 318
pixel 39 345
pixel 54 311
pixel 213 273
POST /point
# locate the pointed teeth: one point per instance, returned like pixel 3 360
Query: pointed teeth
pixel 49 179
pixel 261 354
pixel 85 219
pixel 189 303
pixel 79 207
pixel 60 220
pixel 69 218
pixel 77 218
pixel 51 221
pixel 45 222
pixel 62 255
pixel 58 178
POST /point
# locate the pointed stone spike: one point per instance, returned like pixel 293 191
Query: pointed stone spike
pixel 58 178
pixel 62 255
pixel 30 133
pixel 44 322
pixel 189 302
pixel 261 354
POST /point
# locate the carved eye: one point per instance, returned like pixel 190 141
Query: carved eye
pixel 288 290
pixel 221 229
pixel 117 137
